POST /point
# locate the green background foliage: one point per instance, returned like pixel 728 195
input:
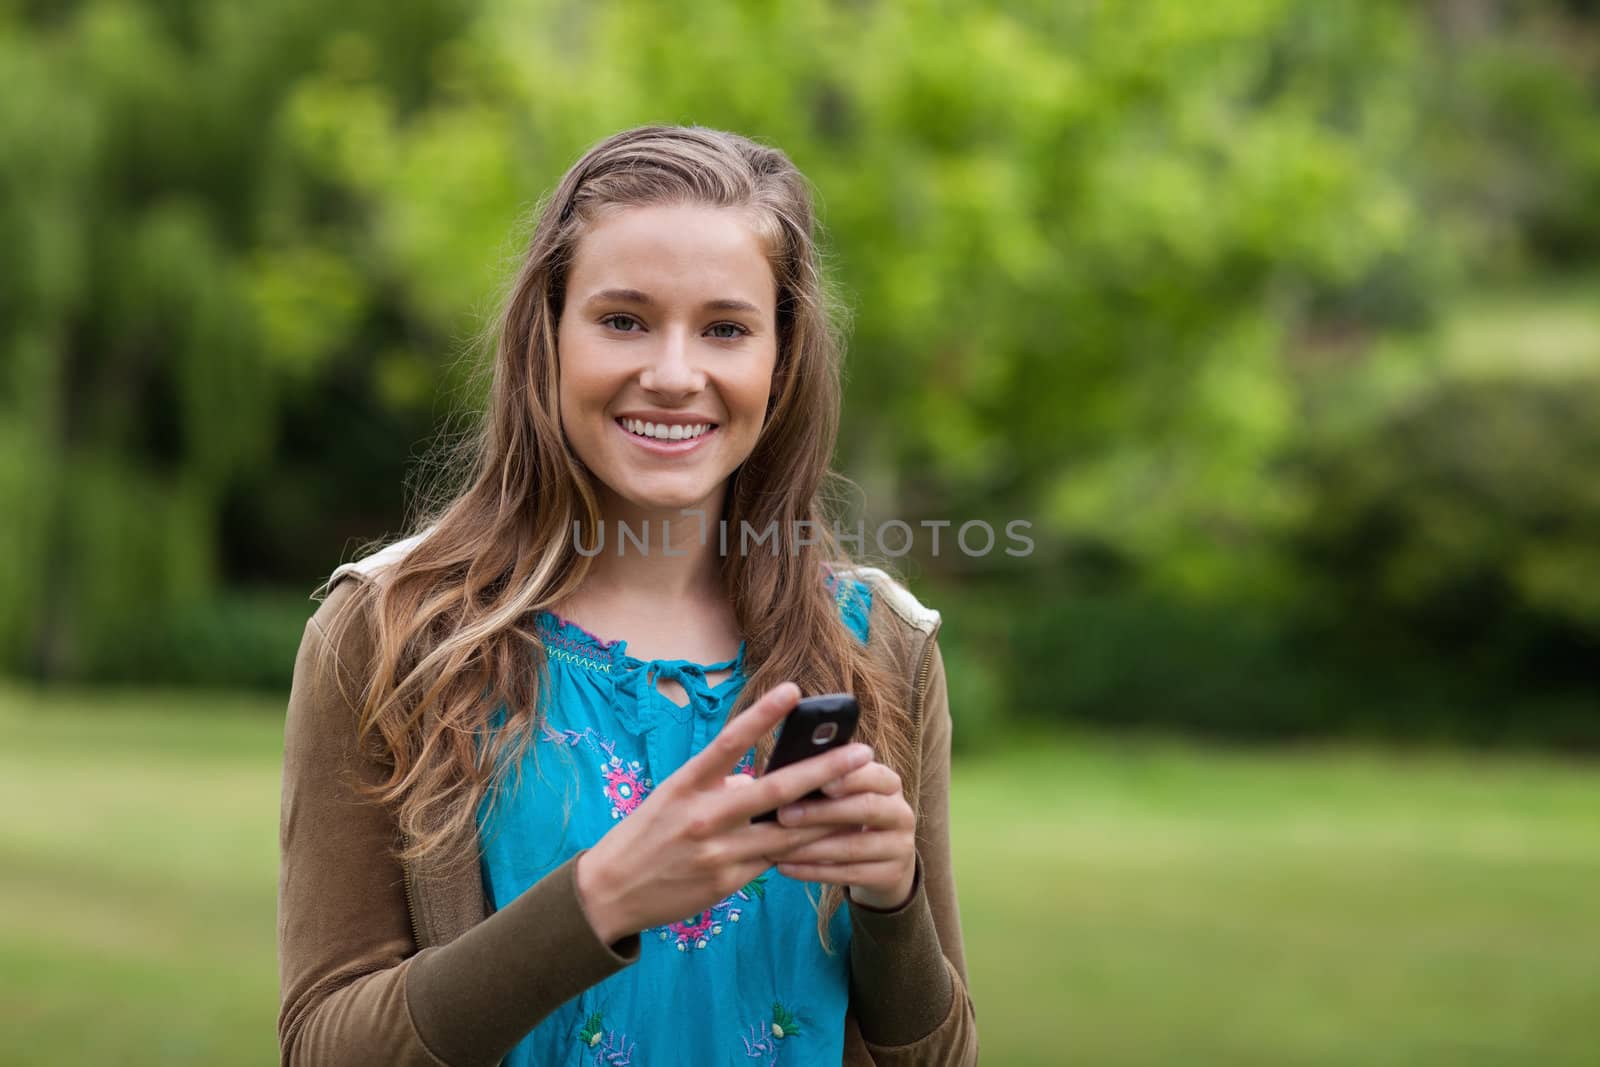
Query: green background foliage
pixel 1197 291
pixel 1191 289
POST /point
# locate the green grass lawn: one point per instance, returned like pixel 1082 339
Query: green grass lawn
pixel 1124 903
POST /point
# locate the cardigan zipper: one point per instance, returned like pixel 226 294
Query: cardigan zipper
pixel 919 692
pixel 411 904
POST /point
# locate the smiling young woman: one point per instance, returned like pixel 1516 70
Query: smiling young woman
pixel 506 839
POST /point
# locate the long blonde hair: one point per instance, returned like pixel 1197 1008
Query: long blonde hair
pixel 453 621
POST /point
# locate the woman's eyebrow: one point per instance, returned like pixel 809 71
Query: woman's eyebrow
pixel 634 296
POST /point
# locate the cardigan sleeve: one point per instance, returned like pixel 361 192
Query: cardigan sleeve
pixel 354 989
pixel 908 966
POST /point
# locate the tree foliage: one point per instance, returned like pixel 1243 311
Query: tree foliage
pixel 1098 258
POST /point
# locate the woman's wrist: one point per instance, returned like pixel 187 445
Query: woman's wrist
pixel 599 906
pixel 893 900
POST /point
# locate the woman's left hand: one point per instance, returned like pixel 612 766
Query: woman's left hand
pixel 874 852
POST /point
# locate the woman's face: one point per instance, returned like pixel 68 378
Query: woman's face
pixel 667 345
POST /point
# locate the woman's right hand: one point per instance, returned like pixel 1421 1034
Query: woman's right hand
pixel 691 843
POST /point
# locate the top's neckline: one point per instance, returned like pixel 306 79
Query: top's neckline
pixel 567 640
pixel 575 642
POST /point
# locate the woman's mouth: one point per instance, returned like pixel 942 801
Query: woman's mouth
pixel 666 438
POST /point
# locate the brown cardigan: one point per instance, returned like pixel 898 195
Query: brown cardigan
pixel 380 963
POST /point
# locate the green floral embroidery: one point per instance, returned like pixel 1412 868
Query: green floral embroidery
pixel 784 1024
pixel 761 1041
pixel 590 1034
pixel 611 1049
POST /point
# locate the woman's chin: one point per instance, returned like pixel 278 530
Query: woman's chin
pixel 668 501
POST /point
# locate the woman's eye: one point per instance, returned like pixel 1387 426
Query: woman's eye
pixel 625 323
pixel 735 328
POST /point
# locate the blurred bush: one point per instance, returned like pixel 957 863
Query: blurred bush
pixel 238 638
pixel 1463 529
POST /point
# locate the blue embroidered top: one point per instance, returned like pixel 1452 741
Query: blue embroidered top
pixel 744 982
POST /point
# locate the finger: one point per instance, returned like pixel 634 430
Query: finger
pixel 873 778
pixel 876 811
pixel 864 874
pixel 796 780
pixel 772 841
pixel 849 848
pixel 718 759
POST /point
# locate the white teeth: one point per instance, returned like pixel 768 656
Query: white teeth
pixel 664 432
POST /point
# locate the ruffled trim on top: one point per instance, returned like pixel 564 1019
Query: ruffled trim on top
pixel 568 641
pixel 565 640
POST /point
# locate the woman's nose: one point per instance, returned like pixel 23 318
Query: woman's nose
pixel 673 366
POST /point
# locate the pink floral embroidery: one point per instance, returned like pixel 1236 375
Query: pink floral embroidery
pixel 696 931
pixel 626 785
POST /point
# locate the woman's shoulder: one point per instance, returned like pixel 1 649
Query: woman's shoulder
pixel 342 622
pixel 372 567
pixel 898 603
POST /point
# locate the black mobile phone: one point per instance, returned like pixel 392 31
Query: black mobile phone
pixel 813 726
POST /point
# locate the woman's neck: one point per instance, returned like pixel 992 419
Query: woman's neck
pixel 656 558
pixel 655 580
